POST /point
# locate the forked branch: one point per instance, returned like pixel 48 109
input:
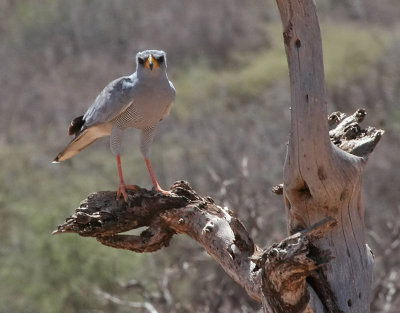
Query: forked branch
pixel 216 229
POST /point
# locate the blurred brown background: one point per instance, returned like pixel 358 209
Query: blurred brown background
pixel 226 135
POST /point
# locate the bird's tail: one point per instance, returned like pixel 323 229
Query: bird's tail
pixel 82 140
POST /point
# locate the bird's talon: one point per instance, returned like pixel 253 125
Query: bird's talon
pixel 164 192
pixel 131 187
pixel 122 191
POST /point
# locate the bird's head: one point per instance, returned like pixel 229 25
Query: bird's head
pixel 151 62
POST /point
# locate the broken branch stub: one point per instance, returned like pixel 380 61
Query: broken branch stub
pixel 287 265
pixel 349 136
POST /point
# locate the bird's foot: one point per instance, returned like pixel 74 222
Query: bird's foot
pixel 122 191
pixel 160 190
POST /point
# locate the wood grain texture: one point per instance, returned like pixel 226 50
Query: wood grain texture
pixel 321 179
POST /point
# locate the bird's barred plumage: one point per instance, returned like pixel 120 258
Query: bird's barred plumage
pixel 146 139
pixel 140 101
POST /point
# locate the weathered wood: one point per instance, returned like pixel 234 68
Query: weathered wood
pixel 349 136
pixel 287 265
pixel 221 234
pixel 97 214
pixel 321 180
pixel 216 229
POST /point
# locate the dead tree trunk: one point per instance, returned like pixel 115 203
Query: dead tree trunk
pixel 324 265
pixel 321 180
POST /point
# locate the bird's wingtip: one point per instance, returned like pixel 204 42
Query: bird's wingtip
pixel 56 160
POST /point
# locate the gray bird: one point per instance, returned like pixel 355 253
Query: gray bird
pixel 140 100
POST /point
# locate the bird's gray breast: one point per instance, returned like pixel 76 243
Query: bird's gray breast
pixel 150 100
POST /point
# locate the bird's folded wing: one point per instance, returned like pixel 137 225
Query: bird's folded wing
pixel 115 98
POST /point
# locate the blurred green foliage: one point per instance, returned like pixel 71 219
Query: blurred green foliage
pixel 41 273
pixel 226 135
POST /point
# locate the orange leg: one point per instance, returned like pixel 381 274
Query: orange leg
pixel 122 186
pixel 154 180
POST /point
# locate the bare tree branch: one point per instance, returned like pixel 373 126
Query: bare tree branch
pixel 216 229
pixel 349 136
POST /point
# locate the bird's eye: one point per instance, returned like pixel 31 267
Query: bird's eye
pixel 160 59
pixel 141 60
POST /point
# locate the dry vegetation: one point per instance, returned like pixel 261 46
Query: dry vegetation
pixel 227 136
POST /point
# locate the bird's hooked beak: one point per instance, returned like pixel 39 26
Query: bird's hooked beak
pixel 151 64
